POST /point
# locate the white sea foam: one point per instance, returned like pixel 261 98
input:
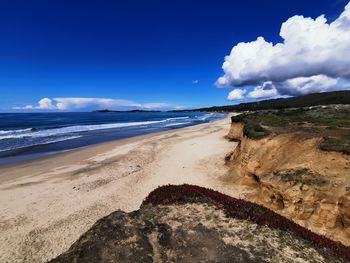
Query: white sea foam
pixel 206 116
pixel 61 139
pixel 81 128
pixel 177 118
pixel 16 131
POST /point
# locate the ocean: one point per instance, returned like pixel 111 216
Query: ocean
pixel 27 136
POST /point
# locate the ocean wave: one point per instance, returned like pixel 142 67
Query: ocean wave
pixel 16 131
pixel 81 128
pixel 206 116
pixel 177 118
pixel 66 138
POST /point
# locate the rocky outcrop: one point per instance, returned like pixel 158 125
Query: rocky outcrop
pixel 197 231
pixel 288 173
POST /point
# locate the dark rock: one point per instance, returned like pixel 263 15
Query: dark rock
pixel 196 232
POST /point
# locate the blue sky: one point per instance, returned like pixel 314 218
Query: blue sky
pixel 168 52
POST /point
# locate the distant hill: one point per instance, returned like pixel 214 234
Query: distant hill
pixel 326 98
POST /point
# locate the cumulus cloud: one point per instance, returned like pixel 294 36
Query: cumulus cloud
pixel 43 104
pixel 236 94
pixel 72 103
pixel 313 57
pixel 263 91
pixel 80 103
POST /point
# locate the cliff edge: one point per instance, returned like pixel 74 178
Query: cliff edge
pixel 297 163
pixel 194 224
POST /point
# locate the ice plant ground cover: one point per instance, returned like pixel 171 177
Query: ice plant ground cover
pixel 241 209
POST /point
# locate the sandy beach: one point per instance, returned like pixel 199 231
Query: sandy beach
pixel 48 203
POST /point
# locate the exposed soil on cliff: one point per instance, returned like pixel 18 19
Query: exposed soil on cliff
pixel 288 171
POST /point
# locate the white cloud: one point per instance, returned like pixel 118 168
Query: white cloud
pixel 313 57
pixel 263 91
pixel 79 103
pixel 72 103
pixel 236 94
pixel 46 104
pixel 305 85
pixel 157 105
pixel 196 81
pixel 43 104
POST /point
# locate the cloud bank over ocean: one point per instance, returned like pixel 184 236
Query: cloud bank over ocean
pixel 313 57
pixel 72 103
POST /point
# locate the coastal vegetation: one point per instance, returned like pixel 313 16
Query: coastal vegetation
pixel 325 98
pixel 332 123
pixel 241 209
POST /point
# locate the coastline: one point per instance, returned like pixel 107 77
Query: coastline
pixel 78 130
pixel 47 204
pixel 86 151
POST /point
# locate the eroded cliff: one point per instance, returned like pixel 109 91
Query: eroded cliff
pixel 287 171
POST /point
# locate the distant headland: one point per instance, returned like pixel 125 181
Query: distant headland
pixel 325 98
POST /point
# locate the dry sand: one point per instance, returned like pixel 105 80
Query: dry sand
pixel 46 204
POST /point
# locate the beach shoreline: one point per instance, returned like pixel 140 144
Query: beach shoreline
pixel 46 204
pixel 49 134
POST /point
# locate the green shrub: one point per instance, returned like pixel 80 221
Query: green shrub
pixel 238 118
pixel 253 130
pixel 336 145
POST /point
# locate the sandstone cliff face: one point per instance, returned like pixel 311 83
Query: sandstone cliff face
pixel 189 232
pixel 291 175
